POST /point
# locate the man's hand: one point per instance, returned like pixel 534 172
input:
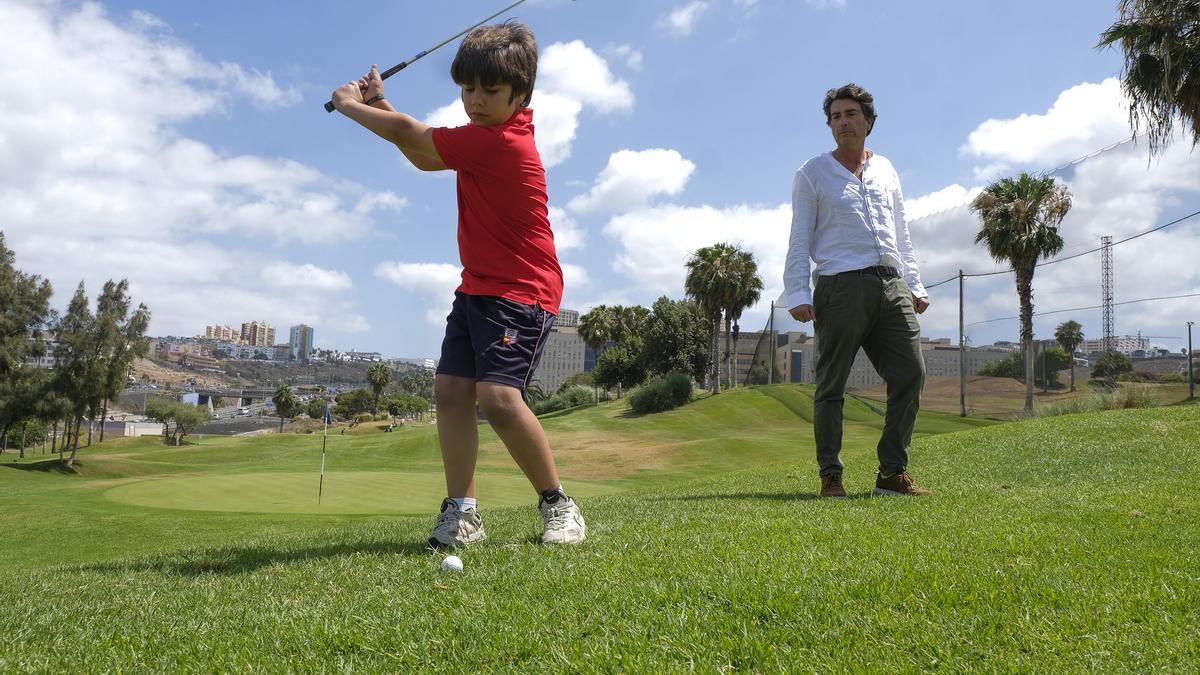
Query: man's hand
pixel 371 84
pixel 803 313
pixel 347 93
pixel 920 304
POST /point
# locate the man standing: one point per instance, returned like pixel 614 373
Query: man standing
pixel 848 217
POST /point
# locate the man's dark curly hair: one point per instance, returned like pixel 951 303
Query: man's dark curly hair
pixel 851 92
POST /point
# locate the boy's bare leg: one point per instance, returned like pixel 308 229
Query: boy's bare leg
pixel 521 432
pixel 458 433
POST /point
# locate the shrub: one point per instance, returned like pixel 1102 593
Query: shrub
pixel 1174 378
pixel 567 397
pixel 364 417
pixel 577 395
pixel 661 394
pixel 680 387
pixel 1111 364
pixel 1009 366
pixel 584 379
pixel 1129 397
pixel 1138 376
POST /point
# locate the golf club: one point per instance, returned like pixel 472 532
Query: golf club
pixel 401 66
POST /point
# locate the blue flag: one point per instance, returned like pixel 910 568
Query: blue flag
pixel 328 417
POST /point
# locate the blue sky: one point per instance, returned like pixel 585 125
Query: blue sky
pixel 184 146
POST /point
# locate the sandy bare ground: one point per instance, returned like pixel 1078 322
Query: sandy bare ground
pixel 154 372
pixel 986 396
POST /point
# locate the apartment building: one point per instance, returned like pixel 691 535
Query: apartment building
pixel 300 338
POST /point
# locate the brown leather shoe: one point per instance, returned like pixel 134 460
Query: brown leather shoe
pixel 831 486
pixel 900 484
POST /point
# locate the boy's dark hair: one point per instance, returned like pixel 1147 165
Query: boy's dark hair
pixel 851 92
pixel 502 54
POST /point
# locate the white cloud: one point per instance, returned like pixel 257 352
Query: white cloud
pixel 103 182
pixel 449 115
pixel 654 243
pixel 433 282
pixel 380 200
pixel 1114 193
pixel 1082 119
pixel 946 198
pixel 627 53
pixel 573 70
pixel 632 178
pixel 575 277
pixel 682 20
pixel 306 277
pixel 556 118
pixel 568 234
pixel 570 77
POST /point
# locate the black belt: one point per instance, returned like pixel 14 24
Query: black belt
pixel 881 271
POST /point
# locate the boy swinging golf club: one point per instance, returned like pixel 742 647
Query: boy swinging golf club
pixel 511 280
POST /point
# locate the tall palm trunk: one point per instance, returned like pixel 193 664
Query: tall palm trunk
pixel 730 360
pixel 103 417
pixel 70 461
pixel 717 354
pixel 1025 293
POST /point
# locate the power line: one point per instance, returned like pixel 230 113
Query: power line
pixel 1077 255
pixel 1080 309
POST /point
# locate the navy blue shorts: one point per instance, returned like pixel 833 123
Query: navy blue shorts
pixel 493 339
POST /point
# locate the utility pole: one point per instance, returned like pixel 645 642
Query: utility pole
pixel 962 353
pixel 1106 285
pixel 1045 373
pixel 1191 373
pixel 771 351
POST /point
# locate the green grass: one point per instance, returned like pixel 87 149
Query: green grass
pixel 1057 544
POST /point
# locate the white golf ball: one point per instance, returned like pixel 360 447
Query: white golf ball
pixel 452 563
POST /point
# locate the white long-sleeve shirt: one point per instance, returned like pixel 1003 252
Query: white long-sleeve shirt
pixel 845 224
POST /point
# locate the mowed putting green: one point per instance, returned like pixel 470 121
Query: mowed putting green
pixel 345 492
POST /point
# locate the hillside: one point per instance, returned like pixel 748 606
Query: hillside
pixel 1059 544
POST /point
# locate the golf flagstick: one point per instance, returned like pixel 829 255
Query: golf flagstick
pixel 324 438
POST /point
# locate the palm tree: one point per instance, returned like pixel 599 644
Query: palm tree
pixel 1069 335
pixel 287 404
pixel 597 327
pixel 1020 224
pixel 1160 40
pixel 712 279
pixel 748 289
pixel 534 393
pixel 378 376
pixel 629 322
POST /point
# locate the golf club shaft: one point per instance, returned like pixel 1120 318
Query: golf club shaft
pixel 401 66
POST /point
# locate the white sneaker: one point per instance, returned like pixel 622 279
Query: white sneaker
pixel 564 522
pixel 457 527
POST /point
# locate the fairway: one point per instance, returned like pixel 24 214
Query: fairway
pixel 1063 544
pixel 344 492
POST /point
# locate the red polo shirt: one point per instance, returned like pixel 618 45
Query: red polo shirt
pixel 504 239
